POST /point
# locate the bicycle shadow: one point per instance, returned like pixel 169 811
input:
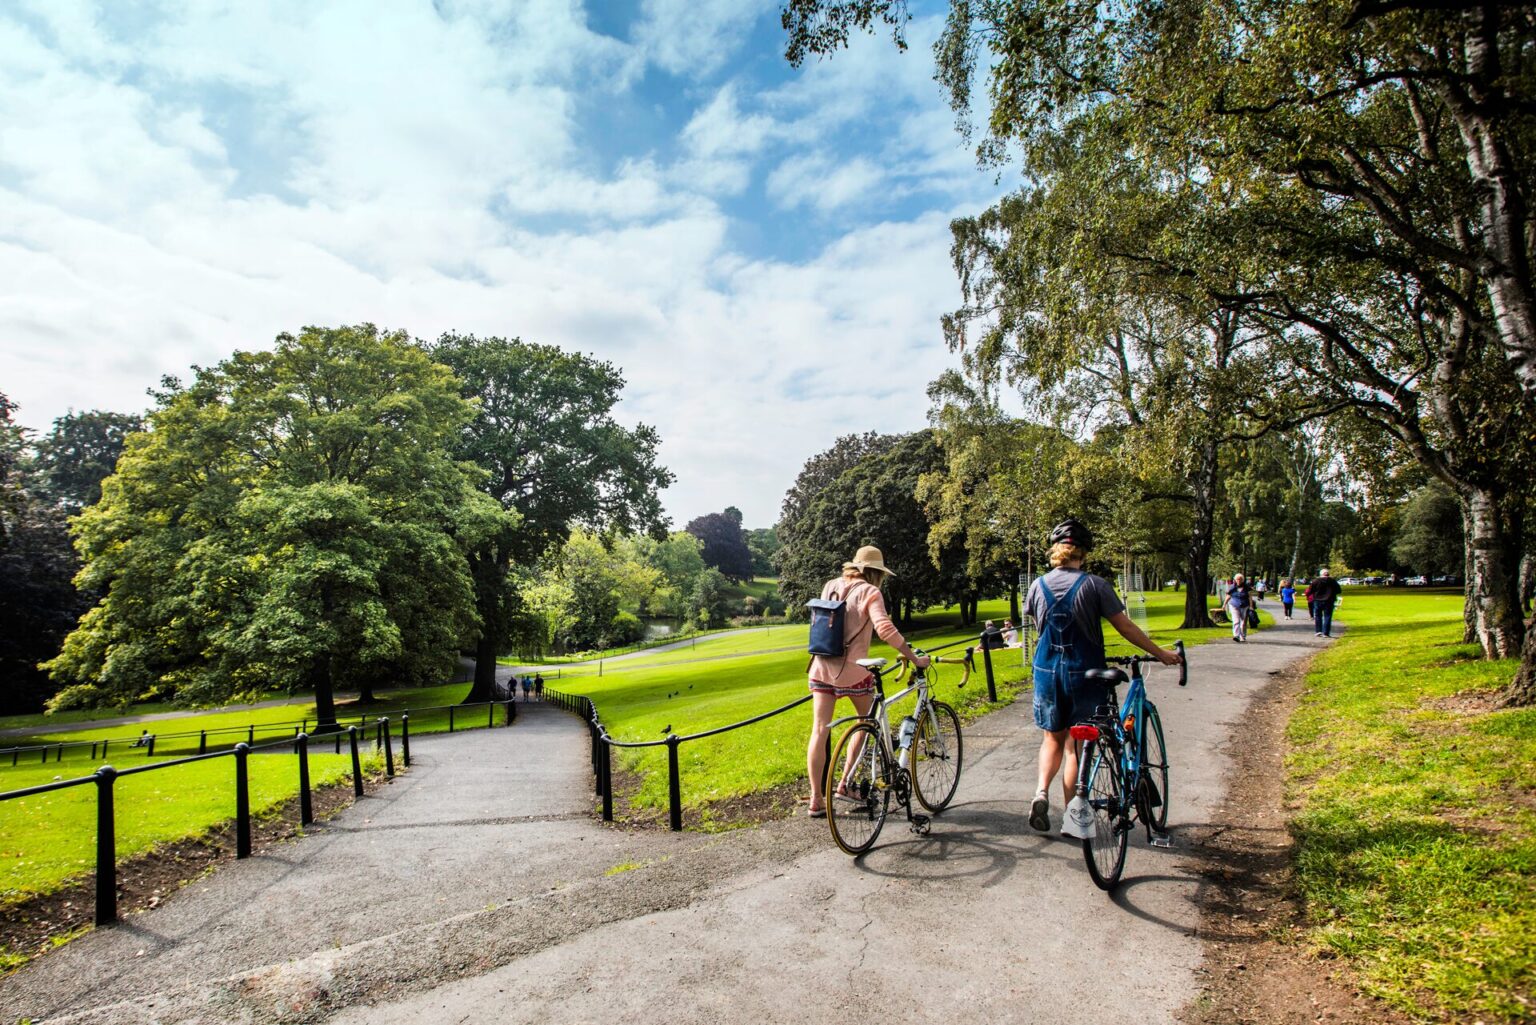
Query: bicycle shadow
pixel 967 841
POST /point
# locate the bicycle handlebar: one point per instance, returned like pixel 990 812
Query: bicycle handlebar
pixel 904 665
pixel 1129 660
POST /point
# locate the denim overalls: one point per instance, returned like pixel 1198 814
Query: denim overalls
pixel 1062 696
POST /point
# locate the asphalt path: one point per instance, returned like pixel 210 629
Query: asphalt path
pixel 478 888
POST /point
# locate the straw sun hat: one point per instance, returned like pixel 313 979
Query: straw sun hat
pixel 868 557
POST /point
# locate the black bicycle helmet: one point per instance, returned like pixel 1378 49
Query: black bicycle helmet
pixel 1073 532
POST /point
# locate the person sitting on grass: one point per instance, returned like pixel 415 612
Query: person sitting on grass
pixel 1067 605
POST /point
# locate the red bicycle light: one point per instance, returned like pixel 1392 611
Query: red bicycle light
pixel 1084 731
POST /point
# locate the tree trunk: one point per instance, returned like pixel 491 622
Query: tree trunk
pixel 325 698
pixel 1527 583
pixel 1198 552
pixel 365 693
pixel 1522 689
pixel 1013 602
pixel 1468 571
pixel 1493 592
pixel 484 687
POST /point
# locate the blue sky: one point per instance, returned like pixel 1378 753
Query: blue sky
pixel 763 250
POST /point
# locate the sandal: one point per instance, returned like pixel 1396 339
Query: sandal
pixel 816 813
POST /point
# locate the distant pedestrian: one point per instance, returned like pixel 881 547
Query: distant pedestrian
pixel 1238 602
pixel 1326 595
pixel 1287 596
pixel 538 686
pixel 527 688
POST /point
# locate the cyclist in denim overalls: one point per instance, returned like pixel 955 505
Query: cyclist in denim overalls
pixel 1071 643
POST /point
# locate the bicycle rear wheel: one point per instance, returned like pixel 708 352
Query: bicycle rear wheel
pixel 1154 768
pixel 936 757
pixel 858 797
pixel 1105 850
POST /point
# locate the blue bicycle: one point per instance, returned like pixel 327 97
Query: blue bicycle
pixel 1124 771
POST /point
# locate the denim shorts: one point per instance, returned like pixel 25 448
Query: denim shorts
pixel 1057 707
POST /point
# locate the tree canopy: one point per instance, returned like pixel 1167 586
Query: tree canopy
pixel 292 518
pixel 724 543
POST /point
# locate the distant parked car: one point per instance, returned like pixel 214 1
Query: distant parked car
pixel 1418 581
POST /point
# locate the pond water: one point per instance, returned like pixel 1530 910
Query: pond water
pixel 661 626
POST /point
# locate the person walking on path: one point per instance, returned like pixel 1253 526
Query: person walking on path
pixel 1067 605
pixel 833 677
pixel 527 688
pixel 538 686
pixel 1326 595
pixel 1238 603
pixel 1287 596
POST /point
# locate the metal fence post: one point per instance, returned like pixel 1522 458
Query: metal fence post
pixel 405 739
pixel 986 658
pixel 306 809
pixel 450 718
pixel 490 714
pixel 511 712
pixel 202 743
pixel 357 764
pixel 389 749
pixel 150 752
pixel 106 848
pixel 674 785
pixel 606 781
pixel 250 737
pixel 242 802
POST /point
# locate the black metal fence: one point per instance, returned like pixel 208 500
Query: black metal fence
pixel 603 743
pixel 203 741
pixel 381 730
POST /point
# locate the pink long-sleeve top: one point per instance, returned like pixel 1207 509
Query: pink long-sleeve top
pixel 866 605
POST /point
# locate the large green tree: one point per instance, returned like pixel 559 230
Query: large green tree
pixel 553 452
pixel 79 452
pixel 291 518
pixel 724 543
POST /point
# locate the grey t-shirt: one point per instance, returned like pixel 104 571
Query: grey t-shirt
pixel 1096 601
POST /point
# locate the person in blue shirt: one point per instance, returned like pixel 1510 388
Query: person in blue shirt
pixel 1238 603
pixel 1287 596
pixel 1068 605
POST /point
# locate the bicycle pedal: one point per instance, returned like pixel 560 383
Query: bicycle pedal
pixel 921 824
pixel 1161 840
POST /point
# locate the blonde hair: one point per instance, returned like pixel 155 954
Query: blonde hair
pixel 867 574
pixel 1064 552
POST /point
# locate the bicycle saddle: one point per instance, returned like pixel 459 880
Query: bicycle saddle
pixel 872 663
pixel 1115 676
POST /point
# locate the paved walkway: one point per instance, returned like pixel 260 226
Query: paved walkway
pixel 478 889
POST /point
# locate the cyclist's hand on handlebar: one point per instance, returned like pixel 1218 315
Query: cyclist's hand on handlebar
pixel 1169 658
pixel 920 660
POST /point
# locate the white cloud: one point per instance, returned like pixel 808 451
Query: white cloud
pixel 427 172
pixel 695 38
pixel 823 183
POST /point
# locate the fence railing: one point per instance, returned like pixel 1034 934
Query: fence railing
pixel 209 739
pixel 105 779
pixel 603 743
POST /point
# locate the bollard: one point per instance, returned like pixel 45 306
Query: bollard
pixel 405 739
pixel 106 848
pixel 93 751
pixel 151 752
pixel 490 713
pixel 450 718
pixel 511 712
pixel 674 786
pixel 607 782
pixel 986 657
pixel 250 737
pixel 357 764
pixel 242 802
pixel 306 809
pixel 389 750
pixel 202 743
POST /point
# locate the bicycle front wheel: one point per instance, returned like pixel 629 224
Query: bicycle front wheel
pixel 936 757
pixel 858 795
pixel 1105 849
pixel 1154 768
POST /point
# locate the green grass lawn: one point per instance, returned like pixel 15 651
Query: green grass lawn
pixel 49 839
pixel 1417 824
